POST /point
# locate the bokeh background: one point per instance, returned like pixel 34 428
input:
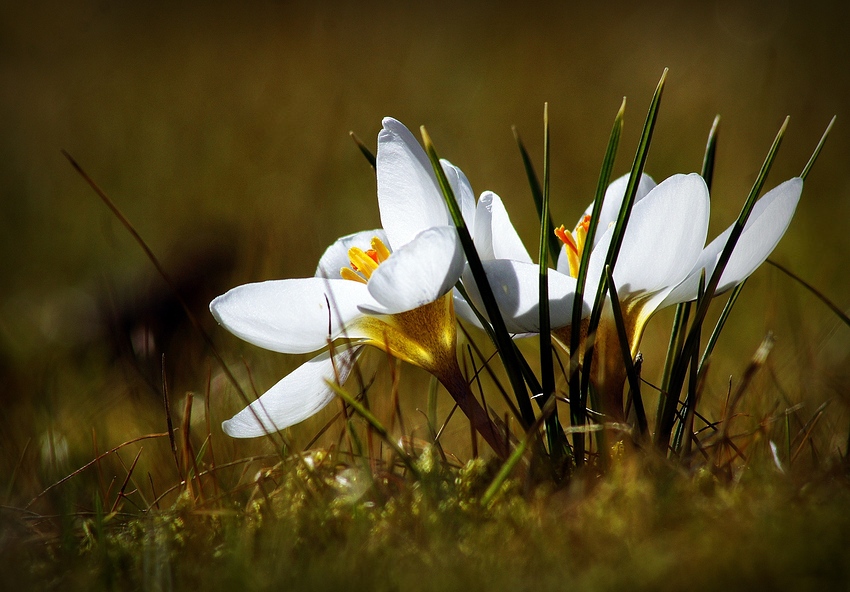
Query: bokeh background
pixel 221 131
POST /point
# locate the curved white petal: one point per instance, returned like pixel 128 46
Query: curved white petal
pixel 614 199
pixel 664 236
pixel 335 256
pixel 464 311
pixel 299 395
pixel 494 235
pixel 409 197
pixel 290 316
pixel 462 191
pixel 765 227
pixel 515 286
pixel 418 273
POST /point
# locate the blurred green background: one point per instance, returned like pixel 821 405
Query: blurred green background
pixel 221 131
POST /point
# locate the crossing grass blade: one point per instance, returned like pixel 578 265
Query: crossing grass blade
pixel 502 338
pixel 665 427
pixel 578 415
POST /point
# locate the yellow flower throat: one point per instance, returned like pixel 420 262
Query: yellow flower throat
pixel 574 242
pixel 364 263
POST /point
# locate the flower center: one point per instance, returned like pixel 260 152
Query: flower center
pixel 364 263
pixel 574 242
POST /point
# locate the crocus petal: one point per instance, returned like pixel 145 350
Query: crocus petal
pixel 409 197
pixel 614 199
pixel 290 316
pixel 462 191
pixel 664 236
pixel 418 273
pixel 299 395
pixel 516 287
pixel 494 235
pixel 336 255
pixel 765 227
pixel 464 311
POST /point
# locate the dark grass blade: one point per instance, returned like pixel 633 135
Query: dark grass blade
pixel 680 320
pixel 577 402
pixel 685 426
pixel 620 227
pixel 501 336
pixel 537 195
pixel 678 376
pixel 365 151
pixel 631 373
pixel 554 435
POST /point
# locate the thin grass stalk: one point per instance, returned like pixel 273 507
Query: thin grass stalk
pixel 818 148
pixel 677 334
pixel 377 426
pixel 503 339
pixel 578 415
pixel 547 369
pixel 674 348
pixel 537 195
pixel 196 325
pixel 818 294
pixel 677 380
pixel 517 454
pixel 620 227
pixel 686 415
pixel 634 379
pixel 721 322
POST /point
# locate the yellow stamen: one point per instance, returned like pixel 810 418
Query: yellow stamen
pixel 574 242
pixel 349 274
pixel 380 250
pixel 364 263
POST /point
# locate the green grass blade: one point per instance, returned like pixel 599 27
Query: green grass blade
pixel 376 425
pixel 502 338
pixel 365 151
pixel 622 220
pixel 634 380
pixel 537 194
pixel 554 435
pixel 687 413
pixel 818 148
pixel 577 404
pixel 709 158
pixel 677 380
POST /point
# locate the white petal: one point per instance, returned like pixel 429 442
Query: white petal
pixel 418 273
pixel 494 235
pixel 409 197
pixel 462 191
pixel 765 227
pixel 664 236
pixel 516 287
pixel 301 394
pixel 614 199
pixel 290 316
pixel 336 255
pixel 463 310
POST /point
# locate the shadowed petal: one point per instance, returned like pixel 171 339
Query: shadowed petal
pixel 614 199
pixel 494 235
pixel 765 227
pixel 409 197
pixel 516 287
pixel 336 255
pixel 299 395
pixel 462 191
pixel 290 316
pixel 664 236
pixel 418 273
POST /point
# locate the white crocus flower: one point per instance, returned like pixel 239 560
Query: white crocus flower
pixel 390 288
pixel 660 261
